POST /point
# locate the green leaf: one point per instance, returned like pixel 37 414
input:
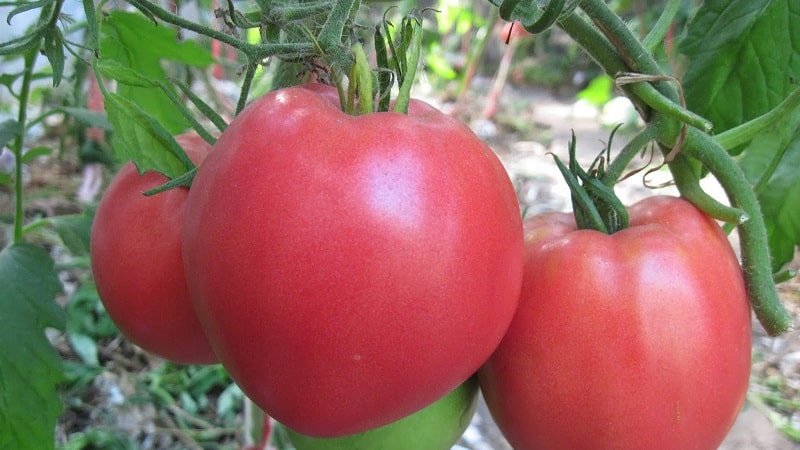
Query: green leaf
pixel 141 45
pixel 85 347
pixel 30 368
pixel 141 138
pixel 780 196
pixel 74 231
pixel 9 129
pixel 742 57
pixel 54 50
pixel 92 25
pixel 27 7
pixel 34 153
pixel 88 117
pixel 125 75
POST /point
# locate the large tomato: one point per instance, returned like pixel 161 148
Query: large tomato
pixel 138 267
pixel 348 270
pixel 636 340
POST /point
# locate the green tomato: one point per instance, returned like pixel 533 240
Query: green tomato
pixel 438 426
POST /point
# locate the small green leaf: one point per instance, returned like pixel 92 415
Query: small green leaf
pixel 141 138
pixel 85 347
pixel 88 117
pixel 139 44
pixel 125 75
pixel 30 368
pixel 92 25
pixel 74 231
pixel 9 129
pixel 27 7
pixel 34 153
pixel 54 50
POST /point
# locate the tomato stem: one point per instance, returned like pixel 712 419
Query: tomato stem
pixel 754 245
pixel 688 183
pixel 659 31
pixel 746 132
pixel 616 167
pixel 656 99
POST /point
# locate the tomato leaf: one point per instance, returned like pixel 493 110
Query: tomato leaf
pixel 54 50
pixel 27 7
pixel 29 366
pixel 743 56
pixel 141 138
pixel 88 117
pixel 124 74
pixel 141 45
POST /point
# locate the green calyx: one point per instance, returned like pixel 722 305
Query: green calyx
pixel 397 60
pixel 594 203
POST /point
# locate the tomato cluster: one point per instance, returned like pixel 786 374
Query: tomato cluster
pixel 352 271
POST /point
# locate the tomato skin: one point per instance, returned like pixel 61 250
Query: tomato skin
pixel 373 264
pixel 636 340
pixel 138 267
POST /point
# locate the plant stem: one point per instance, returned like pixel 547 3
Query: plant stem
pixel 747 131
pixel 329 38
pixel 641 87
pixel 616 167
pixel 601 51
pixel 688 184
pixel 628 46
pixel 621 37
pixel 19 143
pixel 753 234
pixel 660 29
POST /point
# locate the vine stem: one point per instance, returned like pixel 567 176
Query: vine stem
pixel 660 29
pixel 747 131
pixel 754 245
pixel 616 167
pixel 614 47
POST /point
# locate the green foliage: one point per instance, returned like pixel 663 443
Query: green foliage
pixel 29 366
pixel 138 43
pixel 142 138
pixel 743 56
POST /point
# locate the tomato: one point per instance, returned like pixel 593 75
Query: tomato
pixel 349 271
pixel 438 426
pixel 138 267
pixel 635 340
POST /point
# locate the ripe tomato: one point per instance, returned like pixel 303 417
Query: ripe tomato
pixel 636 340
pixel 138 267
pixel 347 270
